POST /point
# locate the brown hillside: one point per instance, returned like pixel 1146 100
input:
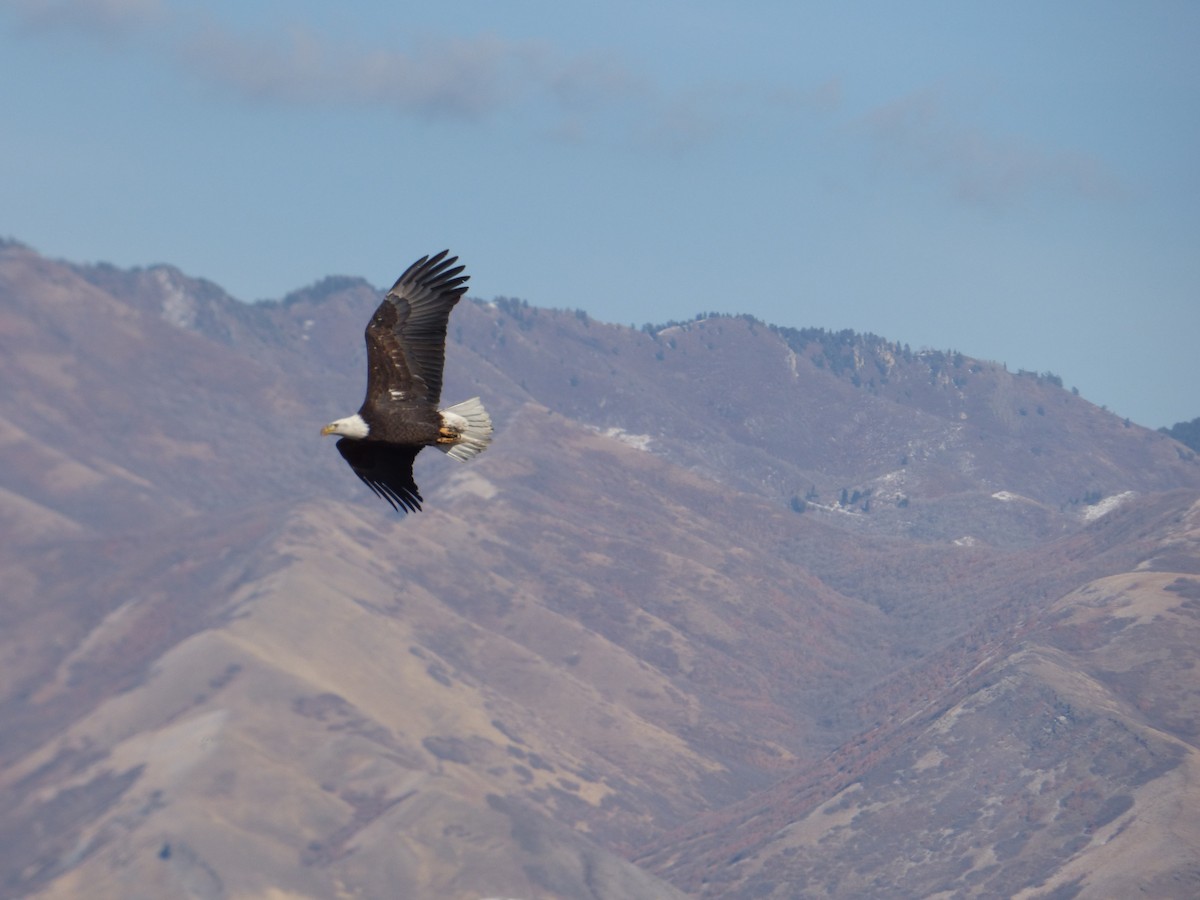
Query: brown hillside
pixel 724 610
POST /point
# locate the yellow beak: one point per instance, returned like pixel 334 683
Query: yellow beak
pixel 328 429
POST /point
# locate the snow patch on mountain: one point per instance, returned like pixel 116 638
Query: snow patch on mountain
pixel 1107 505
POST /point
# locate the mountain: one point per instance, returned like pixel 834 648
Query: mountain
pixel 726 610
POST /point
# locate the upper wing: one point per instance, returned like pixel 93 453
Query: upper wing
pixel 387 469
pixel 406 338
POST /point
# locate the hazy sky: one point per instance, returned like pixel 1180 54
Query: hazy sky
pixel 1019 181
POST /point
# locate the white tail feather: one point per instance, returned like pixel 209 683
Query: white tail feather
pixel 473 426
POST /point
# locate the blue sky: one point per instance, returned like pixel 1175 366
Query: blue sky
pixel 1019 181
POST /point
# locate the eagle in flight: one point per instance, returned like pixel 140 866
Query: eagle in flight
pixel 406 351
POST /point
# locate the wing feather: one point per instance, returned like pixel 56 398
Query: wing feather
pixel 387 469
pixel 406 338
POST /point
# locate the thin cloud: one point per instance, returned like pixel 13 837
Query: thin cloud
pixel 918 134
pixel 452 77
pixel 569 99
pixel 588 97
pixel 586 82
pixel 456 78
pixel 101 18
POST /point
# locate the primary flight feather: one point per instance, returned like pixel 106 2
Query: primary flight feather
pixel 406 351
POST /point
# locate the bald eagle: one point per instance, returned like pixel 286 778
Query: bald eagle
pixel 406 350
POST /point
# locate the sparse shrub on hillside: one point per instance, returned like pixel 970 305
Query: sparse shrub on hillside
pixel 1041 377
pixel 1187 433
pixel 519 310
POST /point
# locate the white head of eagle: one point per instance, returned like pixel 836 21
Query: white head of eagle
pixel 354 426
pixel 406 352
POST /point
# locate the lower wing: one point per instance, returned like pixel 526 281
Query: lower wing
pixel 387 469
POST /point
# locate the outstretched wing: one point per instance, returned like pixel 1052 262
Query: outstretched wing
pixel 387 469
pixel 406 338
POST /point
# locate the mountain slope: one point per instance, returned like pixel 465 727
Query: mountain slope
pixel 1065 765
pixel 714 571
